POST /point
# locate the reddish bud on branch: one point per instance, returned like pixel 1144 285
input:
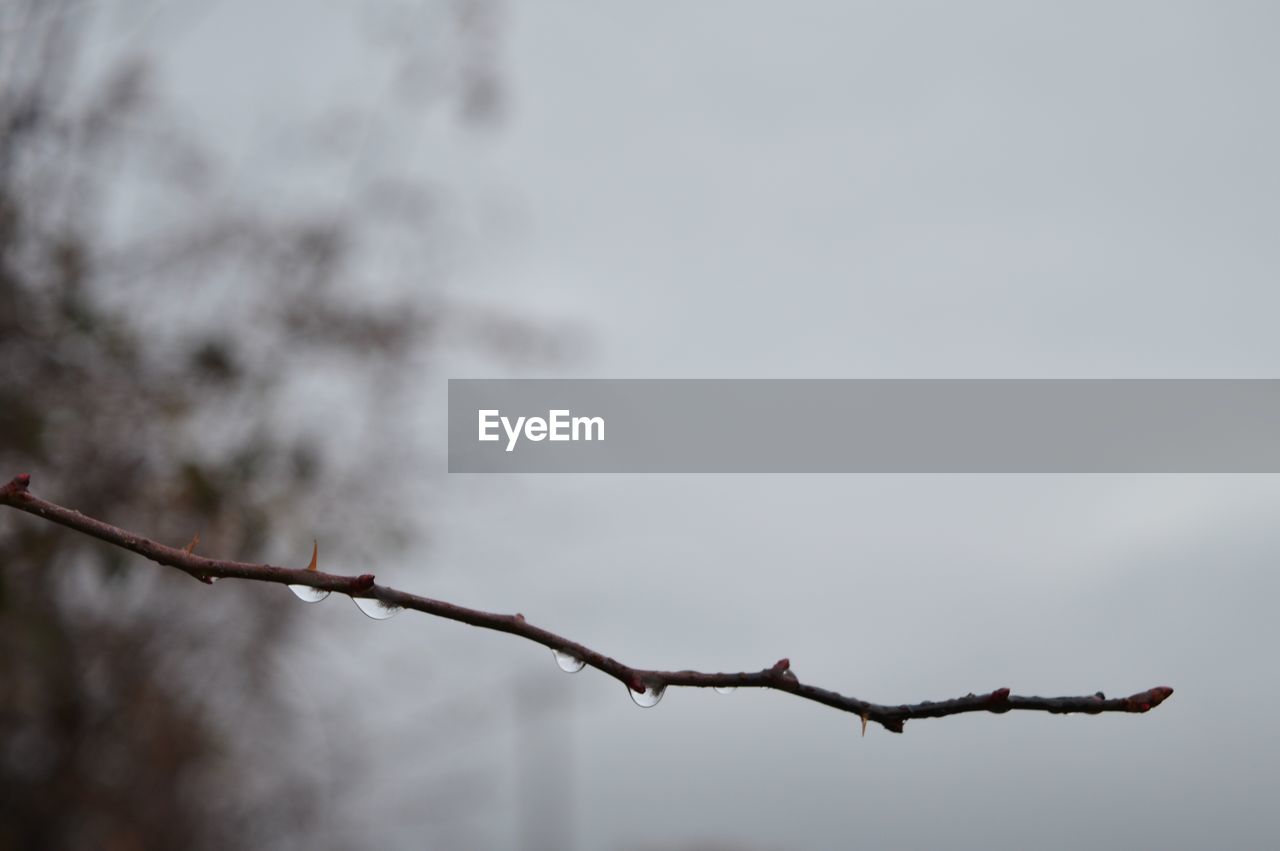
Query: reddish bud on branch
pixel 16 486
pixel 1147 700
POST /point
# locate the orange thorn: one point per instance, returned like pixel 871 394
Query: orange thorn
pixel 315 552
pixel 865 718
pixel 191 547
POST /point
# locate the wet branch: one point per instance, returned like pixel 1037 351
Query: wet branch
pixel 643 683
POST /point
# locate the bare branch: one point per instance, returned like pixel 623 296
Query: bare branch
pixel 778 676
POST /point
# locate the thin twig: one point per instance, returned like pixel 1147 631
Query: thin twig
pixel 778 676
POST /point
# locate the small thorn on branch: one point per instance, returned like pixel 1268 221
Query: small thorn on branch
pixel 191 547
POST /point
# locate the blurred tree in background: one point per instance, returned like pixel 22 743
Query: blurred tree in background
pixel 145 377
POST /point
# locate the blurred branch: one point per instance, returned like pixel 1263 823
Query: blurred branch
pixel 643 682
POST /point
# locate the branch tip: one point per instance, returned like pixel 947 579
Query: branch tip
pixel 1145 701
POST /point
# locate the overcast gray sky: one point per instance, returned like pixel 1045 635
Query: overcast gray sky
pixel 825 189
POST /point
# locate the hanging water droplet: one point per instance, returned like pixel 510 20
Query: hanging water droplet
pixel 647 698
pixel 724 689
pixel 307 594
pixel 376 609
pixel 568 663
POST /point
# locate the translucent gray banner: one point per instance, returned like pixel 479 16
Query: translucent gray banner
pixel 864 426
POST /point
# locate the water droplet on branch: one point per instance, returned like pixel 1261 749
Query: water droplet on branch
pixel 307 594
pixel 376 609
pixel 568 663
pixel 647 698
pixel 724 689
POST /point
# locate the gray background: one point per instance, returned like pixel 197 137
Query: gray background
pixel 825 189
